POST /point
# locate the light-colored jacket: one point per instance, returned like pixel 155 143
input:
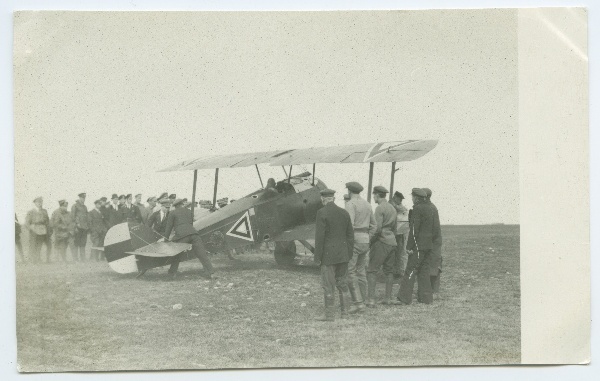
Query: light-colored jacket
pixel 363 220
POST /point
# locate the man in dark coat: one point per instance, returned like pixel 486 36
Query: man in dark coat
pixel 112 211
pixel 64 231
pixel 436 253
pixel 82 226
pixel 419 247
pixel 97 230
pixel 129 211
pixel 38 223
pixel 158 220
pixel 180 221
pixel 334 243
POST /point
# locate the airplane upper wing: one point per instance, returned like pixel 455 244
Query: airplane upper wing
pixel 405 150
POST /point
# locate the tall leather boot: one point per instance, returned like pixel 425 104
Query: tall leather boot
pixel 329 314
pixel 389 283
pixel 363 291
pixel 371 287
pixel 345 303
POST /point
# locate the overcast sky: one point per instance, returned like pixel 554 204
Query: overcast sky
pixel 104 100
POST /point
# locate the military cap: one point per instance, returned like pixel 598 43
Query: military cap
pixel 122 197
pixel 128 196
pixel 114 196
pixel 418 192
pixel 151 199
pixel 399 195
pixel 103 199
pixel 347 197
pixel 63 203
pixel 38 199
pixel 327 192
pixel 173 196
pixel 185 200
pixel 97 202
pixel 380 189
pixel 165 201
pixel 177 201
pixel 163 195
pixel 354 187
pixel 428 192
pixel 81 195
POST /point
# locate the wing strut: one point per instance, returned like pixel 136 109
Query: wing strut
pixel 371 165
pixel 216 187
pixel 194 191
pixel 290 175
pixel 392 179
pixel 313 179
pixel 260 178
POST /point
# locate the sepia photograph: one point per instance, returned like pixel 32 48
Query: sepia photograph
pixel 230 190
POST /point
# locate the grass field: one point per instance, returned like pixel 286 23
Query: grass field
pixel 83 316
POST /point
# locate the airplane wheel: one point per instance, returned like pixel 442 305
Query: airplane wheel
pixel 285 252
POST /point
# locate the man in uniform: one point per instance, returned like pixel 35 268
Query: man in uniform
pixel 158 220
pixel 419 246
pixel 38 223
pixel 401 233
pixel 64 230
pixel 383 246
pixel 82 226
pixel 104 210
pixel 163 196
pixel 180 220
pixel 436 252
pixel 97 230
pixel 130 212
pixel 334 241
pixel 151 206
pixel 364 225
pixel 18 244
pixel 143 211
pixel 112 210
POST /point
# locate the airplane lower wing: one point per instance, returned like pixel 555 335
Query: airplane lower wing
pixel 162 249
pixel 299 233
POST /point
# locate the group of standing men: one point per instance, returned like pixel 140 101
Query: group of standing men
pixel 71 228
pixel 353 244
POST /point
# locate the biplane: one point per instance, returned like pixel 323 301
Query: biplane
pixel 281 211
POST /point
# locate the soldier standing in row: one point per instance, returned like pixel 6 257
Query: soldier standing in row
pixel 64 230
pixel 114 217
pixel 97 230
pixel 436 252
pixel 401 233
pixel 181 220
pixel 419 247
pixel 383 246
pixel 151 207
pixel 334 243
pixel 363 222
pixel 38 223
pixel 82 226
pixel 130 212
pixel 158 220
pixel 18 244
pixel 144 213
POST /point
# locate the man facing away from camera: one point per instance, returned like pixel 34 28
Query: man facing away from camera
pixel 436 252
pixel 334 242
pixel 419 247
pixel 180 220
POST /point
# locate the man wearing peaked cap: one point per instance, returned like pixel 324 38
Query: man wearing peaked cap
pixel 82 226
pixel 364 225
pixel 130 212
pixel 38 223
pixel 334 239
pixel 112 211
pixel 180 220
pixel 383 246
pixel 64 231
pixel 354 187
pixel 401 233
pixel 436 251
pixel 419 248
